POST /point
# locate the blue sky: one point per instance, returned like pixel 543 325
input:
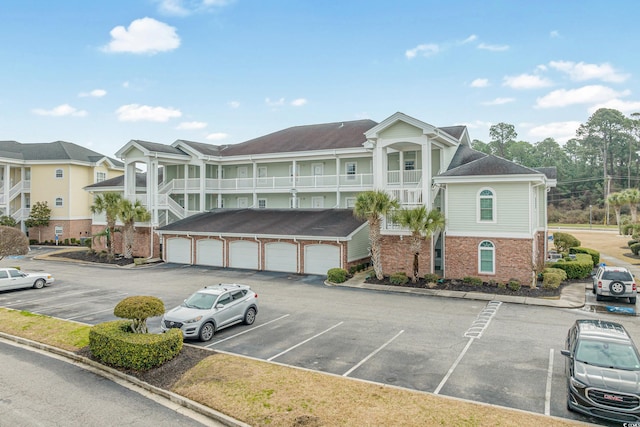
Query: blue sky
pixel 100 73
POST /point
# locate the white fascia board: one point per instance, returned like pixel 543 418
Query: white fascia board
pixel 490 235
pixel 429 130
pixel 121 153
pixel 475 179
pixel 295 155
pixel 104 189
pixel 250 235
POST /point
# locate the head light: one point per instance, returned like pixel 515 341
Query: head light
pixel 194 320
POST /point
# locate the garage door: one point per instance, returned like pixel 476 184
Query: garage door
pixel 243 254
pixel 209 252
pixel 179 250
pixel 318 259
pixel 281 256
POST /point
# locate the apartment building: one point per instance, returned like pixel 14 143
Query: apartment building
pixel 495 209
pixel 55 173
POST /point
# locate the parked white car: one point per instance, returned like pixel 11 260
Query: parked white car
pixel 12 278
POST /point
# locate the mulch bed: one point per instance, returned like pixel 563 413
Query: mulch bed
pixel 92 256
pixel 459 285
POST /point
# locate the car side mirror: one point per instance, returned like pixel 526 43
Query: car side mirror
pixel 219 305
pixel 566 353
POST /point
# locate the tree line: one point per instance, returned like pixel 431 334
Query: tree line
pixel 602 159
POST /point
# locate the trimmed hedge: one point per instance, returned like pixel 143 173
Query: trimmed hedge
pixel 337 275
pixel 578 268
pixel 470 280
pixel 595 255
pixel 113 344
pixel 635 248
pixel 553 277
pixel 564 241
pixel 398 278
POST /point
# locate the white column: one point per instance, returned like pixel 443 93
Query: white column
pixel 426 174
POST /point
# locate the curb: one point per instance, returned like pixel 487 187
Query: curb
pixel 111 373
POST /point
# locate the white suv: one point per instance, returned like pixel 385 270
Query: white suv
pixel 615 282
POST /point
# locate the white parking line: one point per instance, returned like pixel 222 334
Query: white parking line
pixel 84 301
pixel 346 374
pixel 303 342
pixel 453 367
pixel 48 298
pixel 248 330
pixel 547 394
pixel 88 314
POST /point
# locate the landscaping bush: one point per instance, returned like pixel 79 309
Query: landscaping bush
pixel 578 268
pixel 475 281
pixel 553 277
pixel 139 309
pixel 595 255
pixel 431 278
pixel 514 285
pixel 113 343
pixel 635 248
pixel 564 241
pixel 631 242
pixel 398 278
pixel 337 275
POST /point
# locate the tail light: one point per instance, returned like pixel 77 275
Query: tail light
pixel 634 286
pixel 599 284
pixel 256 295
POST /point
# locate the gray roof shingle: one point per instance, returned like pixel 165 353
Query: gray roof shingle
pixel 57 150
pixel 319 223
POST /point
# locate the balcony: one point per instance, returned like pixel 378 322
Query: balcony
pixel 404 177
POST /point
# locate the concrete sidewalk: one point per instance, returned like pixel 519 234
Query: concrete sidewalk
pixel 572 296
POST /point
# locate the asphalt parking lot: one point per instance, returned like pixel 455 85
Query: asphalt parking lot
pixel 498 353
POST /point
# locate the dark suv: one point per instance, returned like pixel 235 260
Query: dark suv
pixel 603 371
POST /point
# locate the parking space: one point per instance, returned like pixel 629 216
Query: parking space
pixel 502 354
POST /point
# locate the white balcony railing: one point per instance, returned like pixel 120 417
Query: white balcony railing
pixel 408 177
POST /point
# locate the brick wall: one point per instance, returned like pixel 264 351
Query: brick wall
pixel 513 259
pixel 397 257
pixel 141 243
pixel 77 229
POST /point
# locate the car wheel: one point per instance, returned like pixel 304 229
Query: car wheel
pixel 250 316
pixel 617 288
pixel 206 332
pixel 593 289
pixel 632 300
pixel 598 297
pixel 39 284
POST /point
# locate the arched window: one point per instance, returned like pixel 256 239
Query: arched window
pixel 59 202
pixel 59 173
pixel 486 257
pixel 486 206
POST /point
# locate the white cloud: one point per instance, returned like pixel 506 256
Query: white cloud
pixel 493 47
pixel 499 101
pixel 191 125
pixel 96 93
pixel 218 136
pixel 584 95
pixel 553 34
pixel 298 102
pixel 137 113
pixel 580 71
pixel 470 39
pixel 425 50
pixel 480 83
pixel 626 107
pixel 60 111
pixel 526 81
pixel 276 103
pixel 187 7
pixel 560 131
pixel 144 35
pixel 234 104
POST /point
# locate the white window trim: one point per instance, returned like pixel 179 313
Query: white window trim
pixel 350 202
pixel 313 169
pixel 58 230
pixel 265 203
pixel 351 176
pixel 55 202
pixel 100 174
pixel 262 174
pixel 494 204
pixel 493 255
pixel 55 174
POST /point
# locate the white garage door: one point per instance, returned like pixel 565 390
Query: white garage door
pixel 209 252
pixel 281 256
pixel 243 254
pixel 318 259
pixel 179 250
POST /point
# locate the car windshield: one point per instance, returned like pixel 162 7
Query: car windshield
pixel 608 354
pixel 617 275
pixel 200 300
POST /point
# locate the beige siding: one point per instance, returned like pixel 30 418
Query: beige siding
pixel 358 247
pixel 401 129
pixel 512 208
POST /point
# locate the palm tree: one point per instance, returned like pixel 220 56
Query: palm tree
pixel 632 196
pixel 372 206
pixel 421 223
pixel 109 203
pixel 129 213
pixel 617 200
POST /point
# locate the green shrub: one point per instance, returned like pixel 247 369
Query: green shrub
pixel 553 277
pixel 337 275
pixel 431 278
pixel 352 270
pixel 492 282
pixel 398 278
pixel 33 242
pixel 502 285
pixel 564 241
pixel 631 242
pixel 139 309
pixel 578 268
pixel 470 280
pixel 113 344
pixel 514 285
pixel 595 255
pixel 635 248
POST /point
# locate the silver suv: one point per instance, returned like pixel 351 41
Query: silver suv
pixel 615 282
pixel 211 309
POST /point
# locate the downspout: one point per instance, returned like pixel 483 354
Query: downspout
pixel 298 266
pixel 259 252
pixel 224 251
